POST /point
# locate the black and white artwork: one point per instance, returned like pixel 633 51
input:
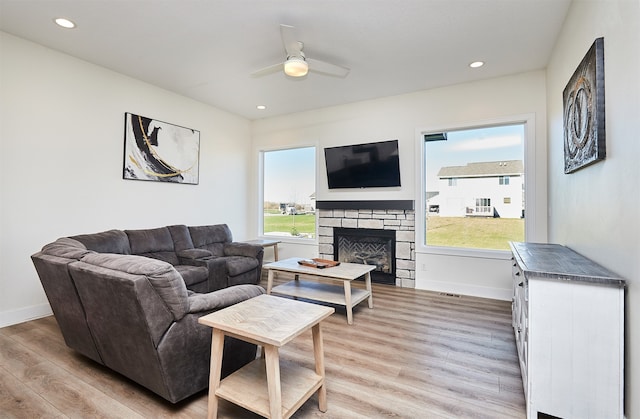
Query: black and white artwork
pixel 583 100
pixel 159 151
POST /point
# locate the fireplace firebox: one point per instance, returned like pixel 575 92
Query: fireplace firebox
pixel 368 247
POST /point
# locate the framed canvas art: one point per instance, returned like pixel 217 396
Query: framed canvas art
pixel 583 106
pixel 159 151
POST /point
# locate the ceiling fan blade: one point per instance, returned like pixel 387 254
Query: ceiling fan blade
pixel 327 68
pixel 290 40
pixel 268 70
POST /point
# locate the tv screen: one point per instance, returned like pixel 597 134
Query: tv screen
pixel 368 165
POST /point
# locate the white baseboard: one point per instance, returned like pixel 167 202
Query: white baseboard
pixel 465 289
pixel 9 318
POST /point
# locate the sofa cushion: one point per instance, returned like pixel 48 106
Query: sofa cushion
pixel 192 274
pixel 222 298
pixel 181 237
pixel 165 280
pixel 242 249
pixel 155 243
pixel 111 241
pixel 237 265
pixel 211 238
pixel 193 254
pixel 66 247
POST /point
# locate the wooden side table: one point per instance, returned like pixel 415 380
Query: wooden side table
pixel 284 388
pixel 266 243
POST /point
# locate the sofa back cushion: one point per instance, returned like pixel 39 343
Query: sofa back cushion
pixel 66 247
pixel 155 243
pixel 211 238
pixel 163 277
pixel 111 241
pixel 181 237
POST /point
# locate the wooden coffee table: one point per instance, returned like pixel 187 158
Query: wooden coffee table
pixel 343 294
pixel 270 322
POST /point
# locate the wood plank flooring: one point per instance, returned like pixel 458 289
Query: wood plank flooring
pixel 416 354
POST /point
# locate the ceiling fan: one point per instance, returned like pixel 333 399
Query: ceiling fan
pixel 297 64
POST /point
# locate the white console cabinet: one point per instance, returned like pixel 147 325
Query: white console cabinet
pixel 568 319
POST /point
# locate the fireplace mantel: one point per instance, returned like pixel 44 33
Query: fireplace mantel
pixel 375 205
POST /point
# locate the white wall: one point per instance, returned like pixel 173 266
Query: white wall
pixel 61 151
pixel 402 117
pixel 595 211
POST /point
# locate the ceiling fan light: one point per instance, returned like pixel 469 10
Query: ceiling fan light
pixel 296 67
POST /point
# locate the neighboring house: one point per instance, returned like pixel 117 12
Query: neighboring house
pixel 485 189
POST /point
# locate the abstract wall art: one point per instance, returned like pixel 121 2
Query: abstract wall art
pixel 584 121
pixel 159 151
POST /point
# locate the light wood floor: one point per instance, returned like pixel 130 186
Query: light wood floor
pixel 417 354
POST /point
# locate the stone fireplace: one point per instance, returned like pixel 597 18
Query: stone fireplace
pixel 369 226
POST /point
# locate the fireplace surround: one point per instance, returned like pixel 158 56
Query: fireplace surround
pixel 397 216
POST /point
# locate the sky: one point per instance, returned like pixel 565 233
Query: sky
pixel 290 175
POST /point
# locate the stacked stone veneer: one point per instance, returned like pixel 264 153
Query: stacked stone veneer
pixel 403 221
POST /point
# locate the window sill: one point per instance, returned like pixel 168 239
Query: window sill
pixel 462 252
pixel 291 239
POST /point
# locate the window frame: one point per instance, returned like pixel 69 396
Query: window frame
pixel 260 221
pixel 528 120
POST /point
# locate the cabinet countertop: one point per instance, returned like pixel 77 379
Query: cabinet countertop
pixel 557 262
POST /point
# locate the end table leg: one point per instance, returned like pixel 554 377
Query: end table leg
pixel 273 381
pixel 367 283
pixel 347 301
pixel 217 347
pixel 269 281
pixel 318 353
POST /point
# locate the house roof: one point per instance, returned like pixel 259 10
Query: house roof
pixel 484 169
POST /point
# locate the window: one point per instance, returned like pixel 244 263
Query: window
pixel 483 207
pixel 288 191
pixel 486 208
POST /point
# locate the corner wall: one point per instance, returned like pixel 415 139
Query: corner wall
pixel 595 210
pixel 61 151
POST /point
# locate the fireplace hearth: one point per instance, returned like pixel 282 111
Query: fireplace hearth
pixel 368 247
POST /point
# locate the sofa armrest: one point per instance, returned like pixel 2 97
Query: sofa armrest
pixel 242 249
pixel 195 257
pixel 223 298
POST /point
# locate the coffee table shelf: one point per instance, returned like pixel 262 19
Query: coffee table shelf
pixel 317 291
pixel 297 385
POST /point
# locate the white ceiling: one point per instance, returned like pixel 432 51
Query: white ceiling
pixel 206 49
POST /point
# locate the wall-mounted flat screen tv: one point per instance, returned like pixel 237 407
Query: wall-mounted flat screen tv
pixel 368 165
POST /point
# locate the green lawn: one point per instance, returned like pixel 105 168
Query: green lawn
pixel 302 223
pixel 481 233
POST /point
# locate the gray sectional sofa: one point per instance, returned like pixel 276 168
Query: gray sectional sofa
pixel 131 300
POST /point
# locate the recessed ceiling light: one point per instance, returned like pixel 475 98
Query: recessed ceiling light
pixel 65 23
pixel 476 64
pixel 261 107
